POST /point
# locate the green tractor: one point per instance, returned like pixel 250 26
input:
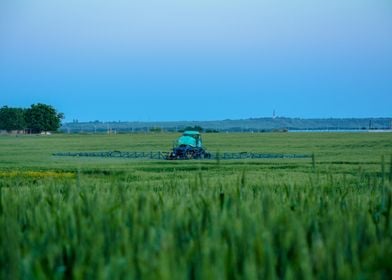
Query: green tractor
pixel 189 146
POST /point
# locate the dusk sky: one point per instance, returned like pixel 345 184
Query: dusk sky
pixel 148 60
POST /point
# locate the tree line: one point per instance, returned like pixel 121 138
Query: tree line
pixel 36 119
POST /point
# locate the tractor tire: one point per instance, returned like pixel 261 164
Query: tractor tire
pixel 189 155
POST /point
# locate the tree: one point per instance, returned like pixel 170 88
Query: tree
pixel 12 118
pixel 41 117
pixel 194 128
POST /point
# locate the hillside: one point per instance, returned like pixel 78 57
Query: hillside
pixel 252 124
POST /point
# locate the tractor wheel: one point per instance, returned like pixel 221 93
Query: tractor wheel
pixel 189 155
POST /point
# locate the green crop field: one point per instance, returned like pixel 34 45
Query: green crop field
pixel 110 218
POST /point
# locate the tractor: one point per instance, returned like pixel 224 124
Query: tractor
pixel 189 146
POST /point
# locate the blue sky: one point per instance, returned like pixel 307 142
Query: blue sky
pixel 197 60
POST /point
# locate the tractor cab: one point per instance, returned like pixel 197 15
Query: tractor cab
pixel 190 138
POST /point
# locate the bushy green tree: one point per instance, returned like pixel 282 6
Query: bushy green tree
pixel 12 118
pixel 41 117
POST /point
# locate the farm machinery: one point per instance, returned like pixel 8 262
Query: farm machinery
pixel 189 146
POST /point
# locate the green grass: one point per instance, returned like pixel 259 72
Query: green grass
pixel 97 218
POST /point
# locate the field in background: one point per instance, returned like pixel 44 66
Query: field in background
pixel 121 218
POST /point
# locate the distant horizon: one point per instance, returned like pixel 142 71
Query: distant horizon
pixel 23 104
pixel 228 119
pixel 68 120
pixel 268 124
